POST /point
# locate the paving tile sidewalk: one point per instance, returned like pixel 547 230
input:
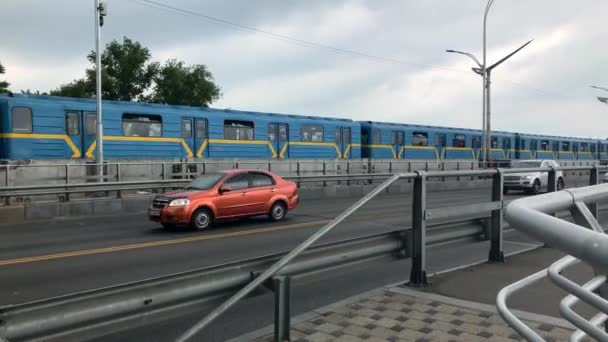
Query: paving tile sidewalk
pixel 402 314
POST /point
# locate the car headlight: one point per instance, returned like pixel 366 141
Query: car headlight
pixel 528 177
pixel 180 202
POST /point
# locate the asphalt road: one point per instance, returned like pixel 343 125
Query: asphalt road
pixel 45 259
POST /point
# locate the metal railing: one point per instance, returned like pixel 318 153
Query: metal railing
pixel 99 312
pixel 14 174
pixel 584 241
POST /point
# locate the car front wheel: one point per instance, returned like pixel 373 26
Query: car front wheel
pixel 201 219
pixel 535 187
pixel 278 211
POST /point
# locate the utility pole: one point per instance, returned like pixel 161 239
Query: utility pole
pixel 100 12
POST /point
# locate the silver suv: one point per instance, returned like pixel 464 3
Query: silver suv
pixel 531 182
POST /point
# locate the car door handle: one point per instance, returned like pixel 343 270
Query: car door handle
pixel 273 190
pixel 244 194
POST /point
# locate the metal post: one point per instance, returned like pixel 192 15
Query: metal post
pixel 282 308
pixel 488 74
pixel 118 179
pixel 348 172
pixel 67 180
pixel 99 142
pixel 324 173
pixel 418 245
pixel 495 229
pixel 594 179
pixel 552 180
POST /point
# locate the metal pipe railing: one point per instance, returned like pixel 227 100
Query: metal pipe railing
pixel 583 241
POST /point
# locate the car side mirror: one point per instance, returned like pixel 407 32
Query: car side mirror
pixel 225 188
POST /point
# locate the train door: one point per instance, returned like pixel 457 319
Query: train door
pixel 278 137
pixel 187 134
pixel 343 141
pixel 81 128
pixel 440 144
pixel 398 140
pixel 201 138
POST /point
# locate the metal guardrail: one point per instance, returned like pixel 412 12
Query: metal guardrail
pixel 83 315
pixel 584 241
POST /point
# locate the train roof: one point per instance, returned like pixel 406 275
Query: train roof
pixel 157 106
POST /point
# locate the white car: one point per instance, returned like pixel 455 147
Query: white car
pixel 531 182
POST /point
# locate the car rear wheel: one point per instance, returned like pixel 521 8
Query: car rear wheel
pixel 201 219
pixel 278 211
pixel 560 184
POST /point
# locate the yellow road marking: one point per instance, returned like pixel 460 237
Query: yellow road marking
pixel 155 243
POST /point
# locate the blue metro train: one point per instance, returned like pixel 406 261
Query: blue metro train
pixel 47 127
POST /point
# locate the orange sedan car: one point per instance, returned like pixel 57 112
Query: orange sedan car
pixel 227 194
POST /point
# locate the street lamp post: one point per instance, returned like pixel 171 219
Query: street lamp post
pixel 100 12
pixel 485 73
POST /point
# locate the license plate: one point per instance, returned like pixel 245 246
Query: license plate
pixel 154 212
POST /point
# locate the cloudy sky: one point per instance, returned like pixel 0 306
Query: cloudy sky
pixel 543 89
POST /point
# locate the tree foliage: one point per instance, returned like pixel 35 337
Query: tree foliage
pixel 128 74
pixel 3 84
pixel 176 83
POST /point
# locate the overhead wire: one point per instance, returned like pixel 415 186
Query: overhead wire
pixel 309 43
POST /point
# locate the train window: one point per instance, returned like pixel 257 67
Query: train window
pixel 346 137
pixel 397 138
pixel 22 119
pixel 476 141
pixel 90 124
pixel 592 148
pixel 338 135
pixel 544 145
pixel 137 125
pixel 272 131
pixel 376 136
pixel 460 140
pixel 238 130
pixel 494 142
pixel 440 139
pixel 506 143
pixel 201 129
pixel 556 146
pixel 420 138
pixel 312 133
pixel 533 144
pixel 584 147
pixel 565 146
pixel 186 128
pixel 283 134
pixel 72 123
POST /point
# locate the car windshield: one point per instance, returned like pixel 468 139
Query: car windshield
pixel 522 164
pixel 206 181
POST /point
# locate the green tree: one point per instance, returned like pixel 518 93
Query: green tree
pixel 77 88
pixel 3 84
pixel 29 92
pixel 127 71
pixel 178 84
